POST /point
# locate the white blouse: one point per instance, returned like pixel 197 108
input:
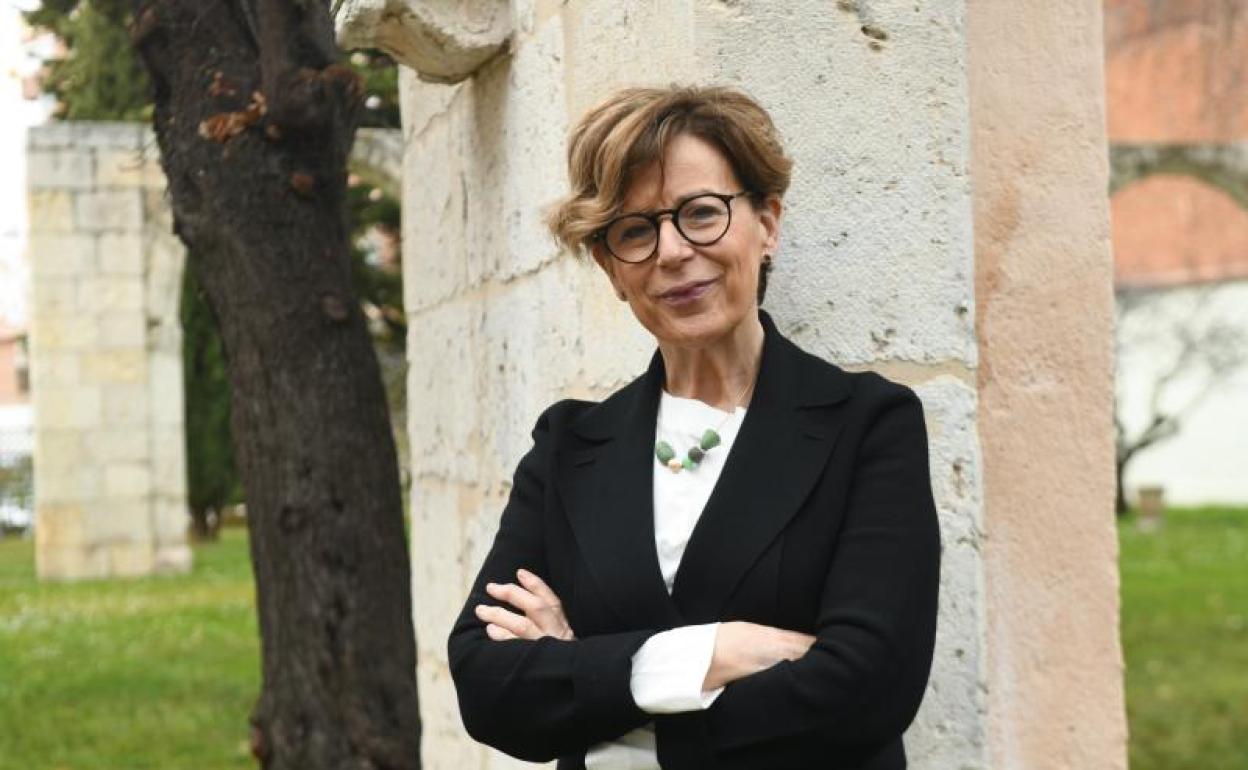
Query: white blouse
pixel 668 670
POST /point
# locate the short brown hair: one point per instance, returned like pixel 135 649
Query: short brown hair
pixel 630 130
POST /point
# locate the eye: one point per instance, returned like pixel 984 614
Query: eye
pixel 702 211
pixel 635 232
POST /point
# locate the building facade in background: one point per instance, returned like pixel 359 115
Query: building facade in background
pixel 1176 74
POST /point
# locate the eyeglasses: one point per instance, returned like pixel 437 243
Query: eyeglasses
pixel 701 220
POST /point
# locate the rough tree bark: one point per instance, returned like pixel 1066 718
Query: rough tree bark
pixel 255 121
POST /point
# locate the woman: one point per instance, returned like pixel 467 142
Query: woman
pixel 733 561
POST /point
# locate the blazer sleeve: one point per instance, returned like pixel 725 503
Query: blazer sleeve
pixel 537 699
pixel 864 677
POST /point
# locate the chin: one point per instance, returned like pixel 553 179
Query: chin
pixel 696 330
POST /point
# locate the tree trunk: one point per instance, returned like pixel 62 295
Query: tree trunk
pixel 255 122
pixel 1120 491
pixel 205 524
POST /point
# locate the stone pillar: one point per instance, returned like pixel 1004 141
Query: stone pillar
pixel 106 366
pixel 877 269
pixel 1044 296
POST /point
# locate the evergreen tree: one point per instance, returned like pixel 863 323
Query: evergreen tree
pixel 100 77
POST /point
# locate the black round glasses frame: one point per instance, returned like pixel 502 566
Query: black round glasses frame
pixel 654 216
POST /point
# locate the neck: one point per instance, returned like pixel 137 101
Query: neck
pixel 716 374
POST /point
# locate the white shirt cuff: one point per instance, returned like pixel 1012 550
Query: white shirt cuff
pixel 669 669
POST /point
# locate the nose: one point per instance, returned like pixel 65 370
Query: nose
pixel 672 245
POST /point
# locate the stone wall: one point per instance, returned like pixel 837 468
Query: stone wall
pixel 879 268
pixel 106 367
pixel 874 271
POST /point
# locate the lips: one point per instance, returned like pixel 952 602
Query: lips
pixel 686 289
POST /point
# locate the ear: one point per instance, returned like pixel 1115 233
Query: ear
pixel 769 216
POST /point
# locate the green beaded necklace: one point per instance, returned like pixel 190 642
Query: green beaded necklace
pixel 693 456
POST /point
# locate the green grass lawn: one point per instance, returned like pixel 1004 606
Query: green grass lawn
pixel 1185 637
pixel 161 673
pixel 153 673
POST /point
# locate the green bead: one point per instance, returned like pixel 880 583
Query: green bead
pixel 710 439
pixel 664 451
pixel 689 463
pixel 696 454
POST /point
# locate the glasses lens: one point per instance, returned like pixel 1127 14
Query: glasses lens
pixel 631 238
pixel 703 219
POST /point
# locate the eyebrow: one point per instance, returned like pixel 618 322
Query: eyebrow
pixel 679 201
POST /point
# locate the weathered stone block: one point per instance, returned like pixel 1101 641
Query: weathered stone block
pixel 50 135
pixel 56 485
pixel 59 169
pixel 170 519
pixel 125 406
pixel 105 446
pixel 121 330
pixel 169 463
pixel 435 218
pixel 71 563
pixel 125 480
pixel 437 519
pixel 166 389
pixel 60 525
pixel 114 366
pixel 109 293
pixel 68 406
pixel 62 332
pixel 62 449
pixel 164 335
pixel 442 339
pixel 165 262
pixel 119 520
pixel 121 254
pixel 54 294
pixel 112 135
pixel 131 559
pixel 54 367
pixel 452 747
pixel 50 211
pixel 120 168
pixel 103 210
pixel 60 254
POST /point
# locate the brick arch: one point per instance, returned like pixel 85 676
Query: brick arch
pixel 1176 228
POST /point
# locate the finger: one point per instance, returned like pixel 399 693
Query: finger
pixel 550 619
pixel 538 588
pixel 515 596
pixel 498 633
pixel 510 621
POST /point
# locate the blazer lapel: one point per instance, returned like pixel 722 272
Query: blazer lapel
pixel 783 445
pixel 607 483
pixel 605 476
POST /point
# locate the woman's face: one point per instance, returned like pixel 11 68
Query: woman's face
pixel 719 281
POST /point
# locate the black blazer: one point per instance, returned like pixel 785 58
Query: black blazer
pixel 822 521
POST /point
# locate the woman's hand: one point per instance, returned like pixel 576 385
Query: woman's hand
pixel 543 612
pixel 743 648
